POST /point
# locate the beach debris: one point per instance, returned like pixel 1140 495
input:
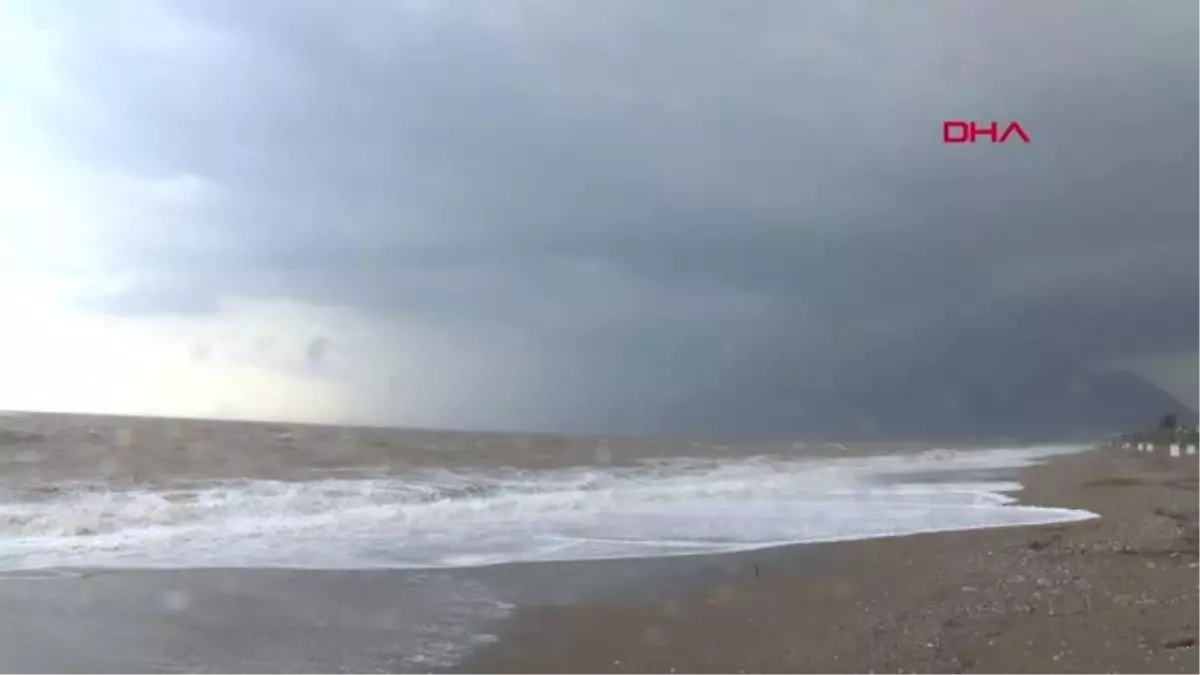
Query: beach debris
pixel 1180 643
pixel 1038 544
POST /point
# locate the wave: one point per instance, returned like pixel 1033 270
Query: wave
pixel 444 518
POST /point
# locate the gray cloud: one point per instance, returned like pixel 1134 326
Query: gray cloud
pixel 680 205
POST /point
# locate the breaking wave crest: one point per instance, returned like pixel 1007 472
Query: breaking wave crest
pixel 449 518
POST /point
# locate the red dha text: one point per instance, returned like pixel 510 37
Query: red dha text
pixel 959 131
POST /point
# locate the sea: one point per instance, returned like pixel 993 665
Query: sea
pixel 253 547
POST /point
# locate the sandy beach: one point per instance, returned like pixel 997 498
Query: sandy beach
pixel 1117 594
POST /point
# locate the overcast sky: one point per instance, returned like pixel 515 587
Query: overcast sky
pixel 534 214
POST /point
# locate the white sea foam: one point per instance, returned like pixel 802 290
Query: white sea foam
pixel 459 518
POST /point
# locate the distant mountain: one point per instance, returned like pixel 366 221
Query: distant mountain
pixel 1023 404
pixel 1071 406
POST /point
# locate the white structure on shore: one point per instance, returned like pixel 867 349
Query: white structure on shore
pixel 1173 449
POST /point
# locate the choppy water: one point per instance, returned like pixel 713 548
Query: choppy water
pixel 464 517
pixel 144 494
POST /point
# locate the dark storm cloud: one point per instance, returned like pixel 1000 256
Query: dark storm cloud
pixel 681 202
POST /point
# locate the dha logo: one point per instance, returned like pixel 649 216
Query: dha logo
pixel 959 131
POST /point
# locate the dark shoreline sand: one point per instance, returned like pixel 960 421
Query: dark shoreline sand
pixel 1115 594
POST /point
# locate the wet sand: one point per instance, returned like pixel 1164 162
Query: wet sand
pixel 1116 594
pixel 314 621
